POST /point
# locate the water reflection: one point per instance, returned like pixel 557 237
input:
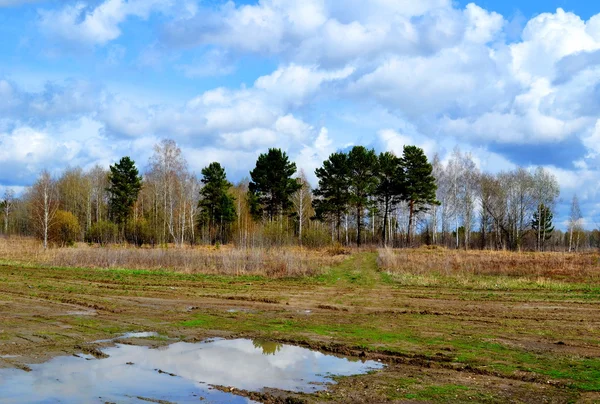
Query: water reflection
pixel 181 372
pixel 268 347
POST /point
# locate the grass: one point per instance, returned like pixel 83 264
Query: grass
pixel 273 262
pixel 566 267
pixel 427 303
pixel 577 372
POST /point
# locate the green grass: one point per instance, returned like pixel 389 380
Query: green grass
pixel 462 338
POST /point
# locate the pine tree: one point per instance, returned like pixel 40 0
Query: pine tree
pixel 332 196
pixel 390 189
pixel 272 185
pixel 217 208
pixel 124 186
pixel 541 223
pixel 419 184
pixel 363 182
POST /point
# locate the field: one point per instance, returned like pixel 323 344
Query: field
pixel 452 326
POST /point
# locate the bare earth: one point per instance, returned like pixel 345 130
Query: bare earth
pixel 442 343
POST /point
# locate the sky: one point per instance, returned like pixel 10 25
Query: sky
pixel 512 83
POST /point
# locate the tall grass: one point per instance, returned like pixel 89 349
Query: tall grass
pixel 275 262
pixel 574 267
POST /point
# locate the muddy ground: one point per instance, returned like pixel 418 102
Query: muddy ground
pixel 444 343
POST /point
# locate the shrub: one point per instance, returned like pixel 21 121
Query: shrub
pixel 102 232
pixel 315 238
pixel 65 229
pixel 139 232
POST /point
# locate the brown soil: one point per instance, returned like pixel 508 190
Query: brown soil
pixel 46 313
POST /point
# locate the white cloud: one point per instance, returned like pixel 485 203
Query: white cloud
pixel 439 75
pixel 394 141
pixel 312 155
pixel 294 84
pixel 81 24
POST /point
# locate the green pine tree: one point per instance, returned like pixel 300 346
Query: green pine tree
pixel 390 189
pixel 217 208
pixel 332 196
pixel 542 226
pixel 125 184
pixel 363 183
pixel 272 185
pixel 419 184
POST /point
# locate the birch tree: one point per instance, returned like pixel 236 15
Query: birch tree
pixel 44 204
pixel 7 205
pixel 302 201
pixel 574 222
pixel 546 192
pixel 168 168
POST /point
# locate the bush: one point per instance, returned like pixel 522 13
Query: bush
pixel 139 233
pixel 316 238
pixel 102 232
pixel 65 229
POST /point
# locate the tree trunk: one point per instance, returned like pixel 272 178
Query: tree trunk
pixel 410 223
pixel 385 223
pixel 358 226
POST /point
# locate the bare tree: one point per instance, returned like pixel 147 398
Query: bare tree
pixel 302 200
pixel 574 222
pixel 98 178
pixel 546 192
pixel 169 168
pixel 441 195
pixel 468 190
pixel 455 173
pixel 7 205
pixel 44 204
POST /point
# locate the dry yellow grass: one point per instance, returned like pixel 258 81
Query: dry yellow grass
pixel 275 262
pixel 553 265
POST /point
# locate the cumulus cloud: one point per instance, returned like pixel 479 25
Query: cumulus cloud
pixel 82 24
pixel 56 101
pixel 442 75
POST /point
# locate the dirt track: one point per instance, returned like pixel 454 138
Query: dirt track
pixel 441 343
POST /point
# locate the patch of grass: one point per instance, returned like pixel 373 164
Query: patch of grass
pixel 442 393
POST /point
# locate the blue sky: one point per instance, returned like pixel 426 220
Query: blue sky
pixel 513 83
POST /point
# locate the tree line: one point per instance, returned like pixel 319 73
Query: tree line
pixel 361 198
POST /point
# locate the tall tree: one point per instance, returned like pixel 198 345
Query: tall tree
pixel 521 204
pixel 124 186
pixel 390 188
pixel 44 199
pixel 217 207
pixel 420 186
pixel 542 226
pixel 99 182
pixel 169 174
pixel 546 192
pixel 302 201
pixel 272 185
pixel 574 222
pixel 332 196
pixel 7 206
pixel 362 163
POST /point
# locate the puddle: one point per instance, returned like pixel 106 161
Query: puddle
pixel 139 335
pixel 129 335
pixel 181 372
